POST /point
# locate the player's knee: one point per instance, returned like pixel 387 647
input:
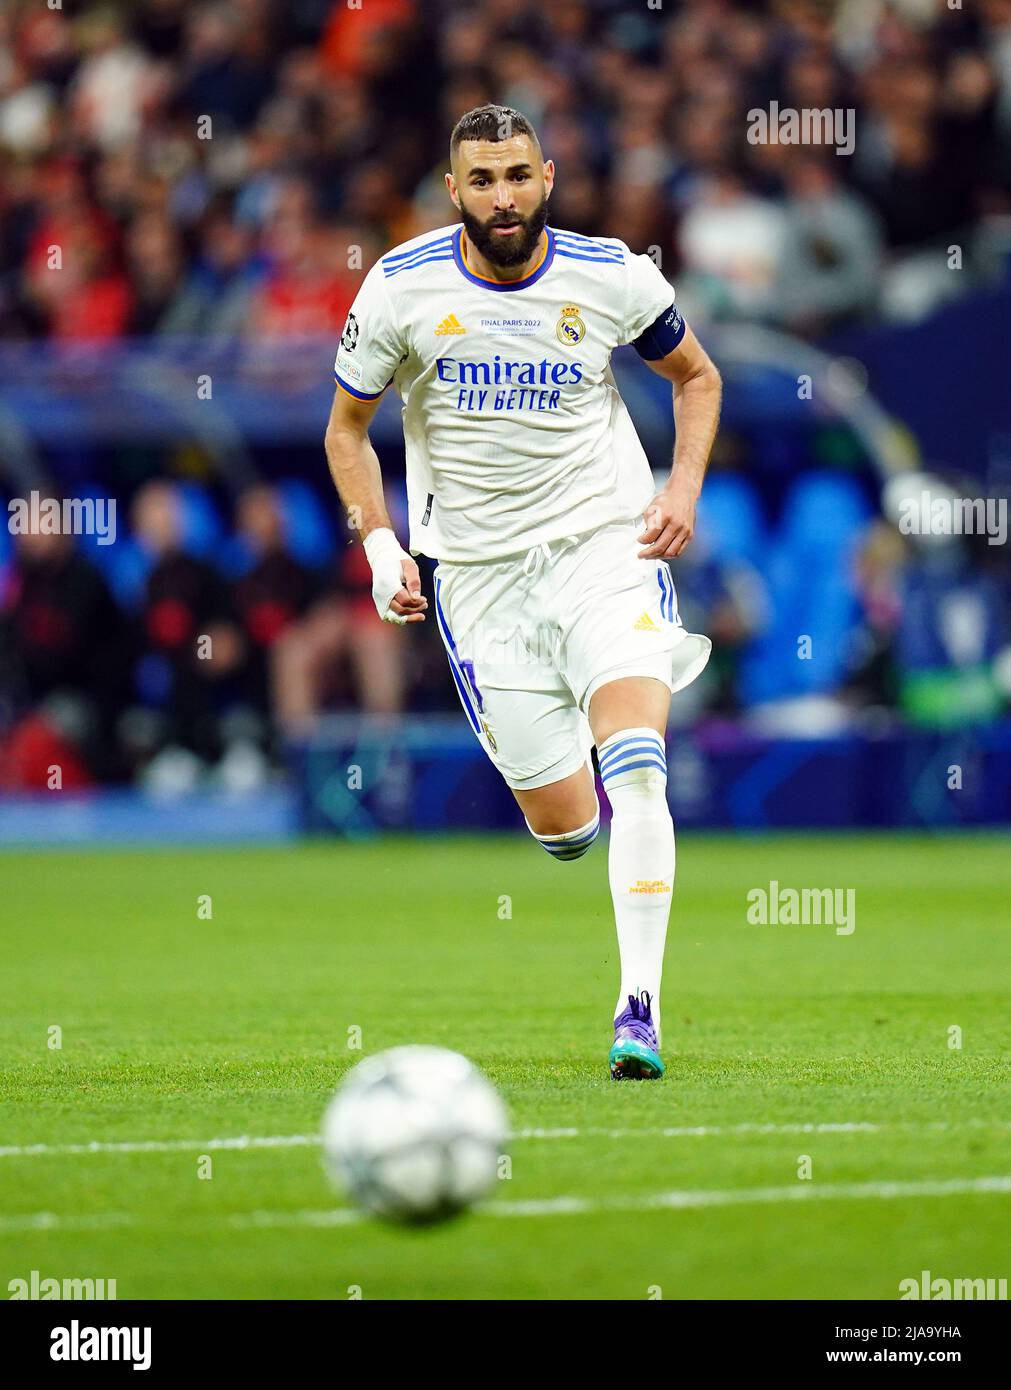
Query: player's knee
pixel 570 844
pixel 634 759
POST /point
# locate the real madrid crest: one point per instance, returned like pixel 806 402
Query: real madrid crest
pixel 570 327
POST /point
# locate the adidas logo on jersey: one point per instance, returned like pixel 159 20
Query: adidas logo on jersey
pixel 450 324
pixel 645 623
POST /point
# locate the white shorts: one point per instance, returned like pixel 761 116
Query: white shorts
pixel 530 637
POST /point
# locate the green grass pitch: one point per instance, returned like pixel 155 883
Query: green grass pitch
pixel 781 1042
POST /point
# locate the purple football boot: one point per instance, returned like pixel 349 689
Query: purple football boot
pixel 635 1052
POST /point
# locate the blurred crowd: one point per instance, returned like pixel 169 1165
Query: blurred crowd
pixel 199 664
pixel 230 170
pixel 234 167
pixel 182 657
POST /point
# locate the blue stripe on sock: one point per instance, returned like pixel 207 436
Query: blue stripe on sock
pixel 618 741
pixel 570 844
pixel 633 753
pixel 632 766
pixel 567 851
pixel 638 744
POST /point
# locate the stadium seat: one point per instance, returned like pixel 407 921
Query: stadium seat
pixel 809 572
pixel 202 529
pixel 124 565
pixel 730 519
pixel 308 532
pixel 822 514
pixel 308 529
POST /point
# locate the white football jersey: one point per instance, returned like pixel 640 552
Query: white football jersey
pixel 513 426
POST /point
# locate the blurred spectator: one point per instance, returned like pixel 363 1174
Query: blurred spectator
pixel 114 83
pixel 215 300
pixel 192 650
pixel 949 636
pixel 272 594
pixel 154 257
pixel 64 656
pixel 732 244
pixel 726 600
pixel 228 65
pixel 26 110
pixel 308 289
pixel 831 251
pixel 879 569
pixel 72 278
pixel 340 649
pixel 932 629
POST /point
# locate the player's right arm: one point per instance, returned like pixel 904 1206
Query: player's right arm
pixel 370 350
pixel 354 467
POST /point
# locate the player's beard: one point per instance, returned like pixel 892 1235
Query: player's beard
pixel 512 250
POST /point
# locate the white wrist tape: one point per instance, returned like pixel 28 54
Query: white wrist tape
pixel 385 555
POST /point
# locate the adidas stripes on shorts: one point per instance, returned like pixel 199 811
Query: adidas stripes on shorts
pixel 530 637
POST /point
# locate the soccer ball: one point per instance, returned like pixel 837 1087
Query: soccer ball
pixel 414 1134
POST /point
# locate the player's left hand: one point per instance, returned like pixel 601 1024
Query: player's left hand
pixel 670 523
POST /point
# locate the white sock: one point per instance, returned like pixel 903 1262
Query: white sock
pixel 633 769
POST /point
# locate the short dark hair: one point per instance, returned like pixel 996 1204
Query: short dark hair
pixel 490 122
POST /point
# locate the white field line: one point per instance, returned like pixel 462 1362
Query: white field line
pixel 564 1206
pixel 747 1196
pixel 292 1141
pixel 162 1146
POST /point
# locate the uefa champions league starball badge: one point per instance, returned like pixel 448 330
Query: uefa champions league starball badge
pixel 349 338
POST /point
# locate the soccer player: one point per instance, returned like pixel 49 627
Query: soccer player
pixel 528 485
